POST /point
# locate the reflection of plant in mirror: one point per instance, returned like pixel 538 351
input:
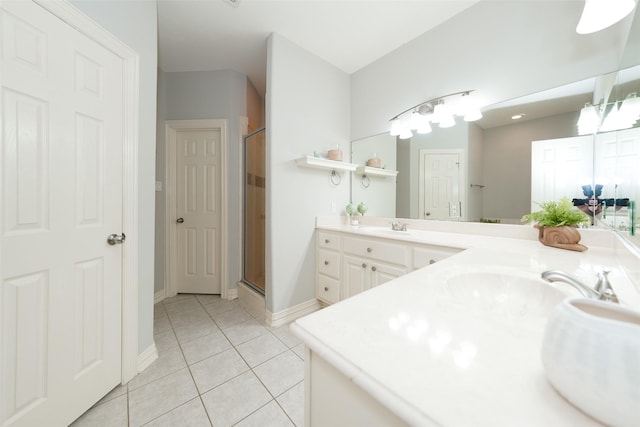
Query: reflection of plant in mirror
pixel 362 208
pixel 556 214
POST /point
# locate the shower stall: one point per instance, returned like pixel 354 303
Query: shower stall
pixel 254 211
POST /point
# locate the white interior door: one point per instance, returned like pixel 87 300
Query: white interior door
pixel 439 185
pixel 61 193
pixel 198 183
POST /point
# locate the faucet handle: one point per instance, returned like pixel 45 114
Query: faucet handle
pixel 603 287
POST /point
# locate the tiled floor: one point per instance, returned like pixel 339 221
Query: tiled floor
pixel 217 365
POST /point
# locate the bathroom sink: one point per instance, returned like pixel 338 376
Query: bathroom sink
pixel 507 294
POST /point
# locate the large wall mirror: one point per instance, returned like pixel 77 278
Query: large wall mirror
pixel 499 161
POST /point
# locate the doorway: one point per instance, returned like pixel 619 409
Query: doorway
pixel 254 210
pixel 196 196
pixel 439 184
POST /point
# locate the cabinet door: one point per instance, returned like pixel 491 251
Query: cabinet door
pixel 382 273
pixel 355 277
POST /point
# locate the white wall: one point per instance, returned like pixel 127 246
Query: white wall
pixel 307 107
pixel 135 23
pixel 204 95
pixel 507 163
pixel 449 58
pixel 380 195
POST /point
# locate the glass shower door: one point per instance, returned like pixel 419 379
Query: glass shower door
pixel 254 210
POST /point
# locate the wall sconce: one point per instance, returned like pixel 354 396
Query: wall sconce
pixel 440 111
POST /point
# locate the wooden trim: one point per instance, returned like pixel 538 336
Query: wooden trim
pixel 146 358
pixel 292 313
pixel 171 129
pixel 130 113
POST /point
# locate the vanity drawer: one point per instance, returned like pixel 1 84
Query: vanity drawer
pixel 328 290
pixel 329 263
pixel 328 240
pixel 376 249
pixel 432 254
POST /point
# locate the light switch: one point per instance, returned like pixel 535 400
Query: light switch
pixel 158 185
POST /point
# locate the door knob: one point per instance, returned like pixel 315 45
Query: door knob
pixel 114 239
pixel 180 220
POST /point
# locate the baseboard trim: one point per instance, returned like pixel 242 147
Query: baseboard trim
pixel 147 357
pixel 159 296
pixel 232 293
pixel 292 313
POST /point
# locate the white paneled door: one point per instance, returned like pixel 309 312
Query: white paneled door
pixel 198 199
pixel 439 185
pixel 61 193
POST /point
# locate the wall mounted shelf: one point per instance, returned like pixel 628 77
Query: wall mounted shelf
pixel 369 171
pixel 325 164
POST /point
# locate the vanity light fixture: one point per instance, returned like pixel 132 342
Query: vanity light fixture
pixel 600 14
pixel 440 111
pixel 621 115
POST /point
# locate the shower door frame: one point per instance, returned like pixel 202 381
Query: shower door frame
pixel 244 279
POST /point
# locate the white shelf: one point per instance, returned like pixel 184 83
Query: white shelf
pixel 369 171
pixel 325 164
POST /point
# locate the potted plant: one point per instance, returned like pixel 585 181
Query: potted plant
pixel 557 224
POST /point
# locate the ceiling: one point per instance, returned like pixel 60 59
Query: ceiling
pixel 205 35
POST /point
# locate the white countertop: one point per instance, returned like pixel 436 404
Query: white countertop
pixel 415 348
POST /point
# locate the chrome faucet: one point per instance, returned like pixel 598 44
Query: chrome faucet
pixel 602 290
pixel 397 226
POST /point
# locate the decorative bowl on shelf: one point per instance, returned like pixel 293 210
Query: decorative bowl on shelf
pixel 591 356
pixel 374 162
pixel 334 154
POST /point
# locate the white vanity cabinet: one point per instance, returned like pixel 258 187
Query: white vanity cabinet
pixel 370 262
pixel 328 264
pixel 348 263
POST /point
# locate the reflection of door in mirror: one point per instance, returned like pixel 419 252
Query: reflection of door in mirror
pixel 254 211
pixel 559 168
pixel 617 157
pixel 439 184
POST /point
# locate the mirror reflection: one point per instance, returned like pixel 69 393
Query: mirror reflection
pixel 495 169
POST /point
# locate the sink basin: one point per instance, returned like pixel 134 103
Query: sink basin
pixel 503 293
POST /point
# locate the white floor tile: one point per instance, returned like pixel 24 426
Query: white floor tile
pixel 161 324
pixel 216 307
pixel 235 399
pixel 188 317
pixel 206 346
pixel 230 318
pixel 292 401
pixel 116 392
pixel 178 298
pixel 166 363
pixel 159 397
pixel 281 373
pixel 270 415
pixel 215 370
pixel 165 341
pixel 110 414
pixel 260 349
pixel 192 331
pixel 299 350
pixel 191 414
pixel 219 360
pixel 285 335
pixel 245 331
